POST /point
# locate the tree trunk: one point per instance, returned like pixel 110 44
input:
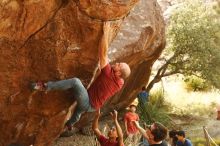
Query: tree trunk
pixel 151 84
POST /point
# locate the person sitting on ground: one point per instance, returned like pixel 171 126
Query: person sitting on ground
pixel 182 141
pixel 115 135
pixel 131 130
pixel 143 97
pixel 172 137
pixel 155 133
pixel 108 82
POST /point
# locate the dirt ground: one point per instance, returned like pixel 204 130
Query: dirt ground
pixel 195 130
pixel 86 137
pixel 76 140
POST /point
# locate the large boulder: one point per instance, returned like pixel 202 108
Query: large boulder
pixel 58 39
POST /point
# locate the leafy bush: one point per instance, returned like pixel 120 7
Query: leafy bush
pixel 151 113
pixel 154 110
pixel 157 98
pixel 194 83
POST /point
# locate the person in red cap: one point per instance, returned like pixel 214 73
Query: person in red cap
pixel 130 128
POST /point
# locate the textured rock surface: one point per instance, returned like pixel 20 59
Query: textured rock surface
pixel 57 39
pixel 139 43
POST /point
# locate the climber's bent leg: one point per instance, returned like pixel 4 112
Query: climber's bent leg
pixel 83 105
pixel 57 85
pixel 75 117
pixel 63 84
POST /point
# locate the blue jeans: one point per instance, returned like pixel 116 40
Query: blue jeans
pixel 80 94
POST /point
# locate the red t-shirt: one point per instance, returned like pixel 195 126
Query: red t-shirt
pixel 105 86
pixel 105 141
pixel 130 117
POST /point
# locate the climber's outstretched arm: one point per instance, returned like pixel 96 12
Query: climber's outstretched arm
pixel 103 46
pixel 141 130
pixel 95 124
pixel 118 127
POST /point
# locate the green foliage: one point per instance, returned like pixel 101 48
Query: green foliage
pixel 155 109
pixel 202 142
pixel 193 38
pixel 151 113
pixel 157 98
pixel 194 83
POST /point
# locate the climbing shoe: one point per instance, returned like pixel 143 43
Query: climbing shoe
pixel 39 86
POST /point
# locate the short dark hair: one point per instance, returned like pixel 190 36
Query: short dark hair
pixel 181 133
pixel 159 132
pixel 172 133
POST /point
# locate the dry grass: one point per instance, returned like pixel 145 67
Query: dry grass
pixel 191 103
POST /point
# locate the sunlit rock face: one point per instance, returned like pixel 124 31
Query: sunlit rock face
pixel 58 39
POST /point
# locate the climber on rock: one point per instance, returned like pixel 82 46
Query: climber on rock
pixel 115 134
pixel 108 82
